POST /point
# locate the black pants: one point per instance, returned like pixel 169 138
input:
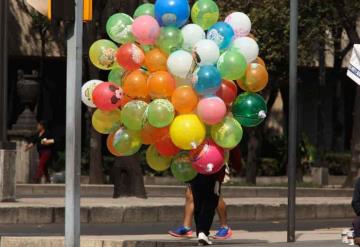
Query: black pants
pixel 356 225
pixel 206 191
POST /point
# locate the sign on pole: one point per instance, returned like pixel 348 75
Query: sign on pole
pixel 354 66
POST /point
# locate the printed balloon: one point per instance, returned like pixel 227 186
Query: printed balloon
pixel 127 142
pixel 107 96
pixel 228 133
pixel 87 90
pixel 102 54
pixel 247 47
pixel 172 12
pixel 145 9
pixel 134 114
pixel 240 23
pixel 130 56
pixel 205 13
pixel 222 34
pixel 118 27
pixel 206 52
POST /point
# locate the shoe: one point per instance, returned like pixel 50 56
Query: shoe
pixel 223 233
pixel 203 239
pixel 182 232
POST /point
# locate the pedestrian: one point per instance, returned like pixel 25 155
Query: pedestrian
pixel 43 142
pixel 224 232
pixel 206 194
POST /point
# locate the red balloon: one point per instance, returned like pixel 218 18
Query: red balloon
pixel 208 158
pixel 130 56
pixel 227 91
pixel 166 147
pixel 107 96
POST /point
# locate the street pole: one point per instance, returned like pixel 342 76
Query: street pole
pixel 73 127
pixel 292 148
pixel 4 6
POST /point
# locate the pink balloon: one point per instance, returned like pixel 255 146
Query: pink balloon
pixel 211 110
pixel 208 158
pixel 146 29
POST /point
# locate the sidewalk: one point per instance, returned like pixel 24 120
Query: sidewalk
pixel 318 238
pixel 168 209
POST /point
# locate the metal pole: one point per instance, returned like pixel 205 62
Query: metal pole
pixel 73 128
pixel 4 6
pixel 292 149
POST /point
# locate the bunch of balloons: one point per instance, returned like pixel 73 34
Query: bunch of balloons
pixel 171 85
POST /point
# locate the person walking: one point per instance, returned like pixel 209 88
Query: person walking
pixel 224 232
pixel 43 142
pixel 206 193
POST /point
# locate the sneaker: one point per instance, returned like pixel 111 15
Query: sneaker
pixel 203 239
pixel 223 233
pixel 182 232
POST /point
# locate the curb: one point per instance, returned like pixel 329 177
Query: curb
pixel 159 214
pixel 58 190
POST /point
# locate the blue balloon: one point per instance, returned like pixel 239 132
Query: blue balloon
pixel 172 12
pixel 222 34
pixel 207 80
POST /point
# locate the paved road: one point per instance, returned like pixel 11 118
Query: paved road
pixel 161 228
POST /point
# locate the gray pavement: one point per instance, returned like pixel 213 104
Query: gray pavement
pixel 161 228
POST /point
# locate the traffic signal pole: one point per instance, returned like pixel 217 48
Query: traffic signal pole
pixel 293 142
pixel 73 127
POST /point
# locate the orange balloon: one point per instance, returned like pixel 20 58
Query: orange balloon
pixel 135 84
pixel 256 78
pixel 151 135
pixel 259 60
pixel 184 99
pixel 110 146
pixel 161 84
pixel 155 60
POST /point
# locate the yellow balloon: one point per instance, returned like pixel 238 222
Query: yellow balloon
pixel 156 161
pixel 106 122
pixel 187 131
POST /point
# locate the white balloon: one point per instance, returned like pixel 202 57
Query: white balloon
pixel 248 47
pixel 87 90
pixel 181 64
pixel 206 52
pixel 240 22
pixel 192 33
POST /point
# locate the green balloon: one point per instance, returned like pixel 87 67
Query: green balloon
pixel 205 13
pixel 170 39
pixel 118 27
pixel 160 113
pixel 156 161
pixel 147 48
pixel 116 75
pixel 145 9
pixel 249 109
pixel 133 114
pixel 232 65
pixel 127 142
pixel 228 133
pixel 181 167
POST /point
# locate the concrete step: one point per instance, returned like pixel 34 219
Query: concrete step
pixel 160 209
pixel 58 190
pixel 320 238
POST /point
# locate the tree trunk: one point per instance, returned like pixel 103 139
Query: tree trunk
pixel 253 156
pixel 127 177
pixel 96 175
pixel 355 144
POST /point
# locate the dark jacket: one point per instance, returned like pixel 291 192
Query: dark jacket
pixel 356 198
